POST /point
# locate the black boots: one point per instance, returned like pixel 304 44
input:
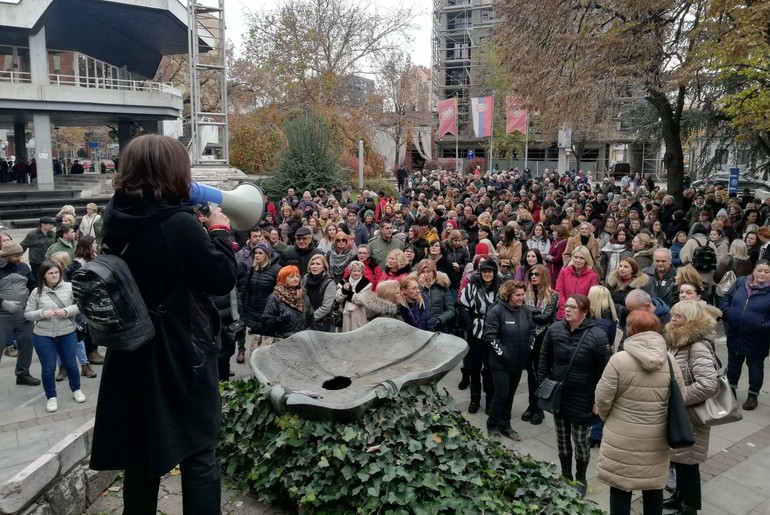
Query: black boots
pixel 466 379
pixel 566 467
pixel 751 402
pixel 674 502
pixel 473 407
pixel 581 467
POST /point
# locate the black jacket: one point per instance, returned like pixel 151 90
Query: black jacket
pixel 665 289
pixel 579 385
pixel 160 403
pixel 510 334
pixel 280 319
pixel 299 258
pixel 37 242
pixel 254 287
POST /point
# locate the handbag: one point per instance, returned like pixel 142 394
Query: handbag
pixel 679 428
pixel 726 283
pixel 721 408
pixel 549 391
pixel 236 330
pixel 80 328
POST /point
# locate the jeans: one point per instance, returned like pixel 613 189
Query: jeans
pixel 620 502
pixel 21 329
pixel 756 371
pixel 201 487
pixel 80 353
pixel 47 348
pixel 505 383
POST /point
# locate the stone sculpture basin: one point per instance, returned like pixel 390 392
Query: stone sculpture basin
pixel 337 376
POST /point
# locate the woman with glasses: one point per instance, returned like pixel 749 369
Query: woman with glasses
pixel 543 302
pixel 340 256
pixel 745 307
pixel 531 258
pixel 578 336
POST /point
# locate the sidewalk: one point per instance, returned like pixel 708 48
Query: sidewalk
pixel 734 476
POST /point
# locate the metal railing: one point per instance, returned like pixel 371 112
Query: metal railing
pixel 92 82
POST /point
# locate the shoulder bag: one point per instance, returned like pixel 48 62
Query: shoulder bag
pixel 80 328
pixel 549 391
pixel 720 409
pixel 725 283
pixel 679 428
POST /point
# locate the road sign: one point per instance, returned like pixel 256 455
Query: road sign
pixel 93 144
pixel 471 155
pixel 732 189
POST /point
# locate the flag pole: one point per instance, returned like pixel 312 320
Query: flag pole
pixel 492 135
pixel 526 138
pixel 457 134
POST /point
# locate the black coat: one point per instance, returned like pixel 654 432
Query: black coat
pixel 594 353
pixel 510 334
pixel 299 258
pixel 254 287
pixel 37 242
pixel 282 320
pixel 160 403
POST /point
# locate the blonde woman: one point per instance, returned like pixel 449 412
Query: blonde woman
pixel 576 278
pixel 415 306
pixel 543 302
pixel 643 247
pixel 326 243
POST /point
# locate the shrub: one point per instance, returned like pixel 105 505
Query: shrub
pixel 471 165
pixel 414 453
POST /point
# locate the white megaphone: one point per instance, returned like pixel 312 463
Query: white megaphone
pixel 244 205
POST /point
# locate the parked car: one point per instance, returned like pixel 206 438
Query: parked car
pixel 109 166
pixel 757 186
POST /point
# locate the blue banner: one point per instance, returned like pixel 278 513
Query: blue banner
pixel 732 188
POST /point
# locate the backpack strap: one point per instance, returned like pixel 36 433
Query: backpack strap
pixel 162 309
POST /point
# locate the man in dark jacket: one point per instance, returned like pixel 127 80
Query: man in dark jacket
pixel 38 241
pixel 456 256
pixel 662 283
pixel 16 283
pixel 300 253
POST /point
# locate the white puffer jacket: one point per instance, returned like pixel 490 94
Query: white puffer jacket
pixel 40 300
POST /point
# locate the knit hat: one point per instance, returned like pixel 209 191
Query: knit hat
pixel 451 223
pixel 369 212
pixel 264 247
pixel 482 248
pixel 721 212
pixel 11 248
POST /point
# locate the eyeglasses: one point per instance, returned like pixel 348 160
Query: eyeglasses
pixel 534 274
pixel 341 239
pixel 570 306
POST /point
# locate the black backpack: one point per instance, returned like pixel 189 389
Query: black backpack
pixel 704 258
pixel 110 302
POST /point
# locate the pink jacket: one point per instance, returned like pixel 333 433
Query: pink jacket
pixel 570 283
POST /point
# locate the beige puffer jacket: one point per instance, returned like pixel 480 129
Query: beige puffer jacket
pixel 632 398
pixel 691 345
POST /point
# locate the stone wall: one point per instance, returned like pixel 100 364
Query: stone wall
pixel 59 482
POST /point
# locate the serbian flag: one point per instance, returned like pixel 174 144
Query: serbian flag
pixel 481 109
pixel 447 116
pixel 516 115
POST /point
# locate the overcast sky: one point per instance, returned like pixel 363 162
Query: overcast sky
pixel 421 46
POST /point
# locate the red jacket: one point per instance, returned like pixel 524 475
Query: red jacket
pixel 570 283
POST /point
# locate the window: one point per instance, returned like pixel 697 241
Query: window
pixel 721 155
pixel 487 15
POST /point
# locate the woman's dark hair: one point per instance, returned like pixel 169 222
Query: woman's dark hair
pixel 507 235
pixel 537 254
pixel 154 167
pixel 44 268
pixel 84 248
pixel 62 230
pixel 629 238
pixel 582 302
pixel 697 287
pixel 762 262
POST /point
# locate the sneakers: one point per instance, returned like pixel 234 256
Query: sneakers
pixel 51 405
pixel 94 358
pixel 510 433
pixel 493 435
pixel 79 396
pixel 751 403
pixel 27 380
pixel 62 375
pixel 87 371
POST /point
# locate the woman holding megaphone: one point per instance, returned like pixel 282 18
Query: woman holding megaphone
pixel 159 405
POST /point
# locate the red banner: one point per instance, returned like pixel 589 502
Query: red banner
pixel 447 116
pixel 515 115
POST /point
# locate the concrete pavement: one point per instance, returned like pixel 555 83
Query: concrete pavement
pixel 734 476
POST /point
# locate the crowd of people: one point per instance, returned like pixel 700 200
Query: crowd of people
pixel 593 285
pixel 590 284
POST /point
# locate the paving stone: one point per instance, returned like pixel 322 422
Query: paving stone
pixel 25 486
pixel 731 497
pixel 97 482
pixel 749 474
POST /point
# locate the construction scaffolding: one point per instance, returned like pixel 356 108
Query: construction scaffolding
pixel 208 83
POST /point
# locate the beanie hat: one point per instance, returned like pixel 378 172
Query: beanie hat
pixel 369 212
pixel 264 247
pixel 721 212
pixel 482 248
pixel 11 248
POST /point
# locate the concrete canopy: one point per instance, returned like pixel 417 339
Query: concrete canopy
pixel 131 33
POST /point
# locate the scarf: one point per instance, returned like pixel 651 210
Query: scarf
pixel 751 287
pixel 294 297
pixel 584 240
pixel 338 262
pixel 314 285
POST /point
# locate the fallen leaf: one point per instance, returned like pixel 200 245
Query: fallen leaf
pixel 437 438
pixel 750 444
